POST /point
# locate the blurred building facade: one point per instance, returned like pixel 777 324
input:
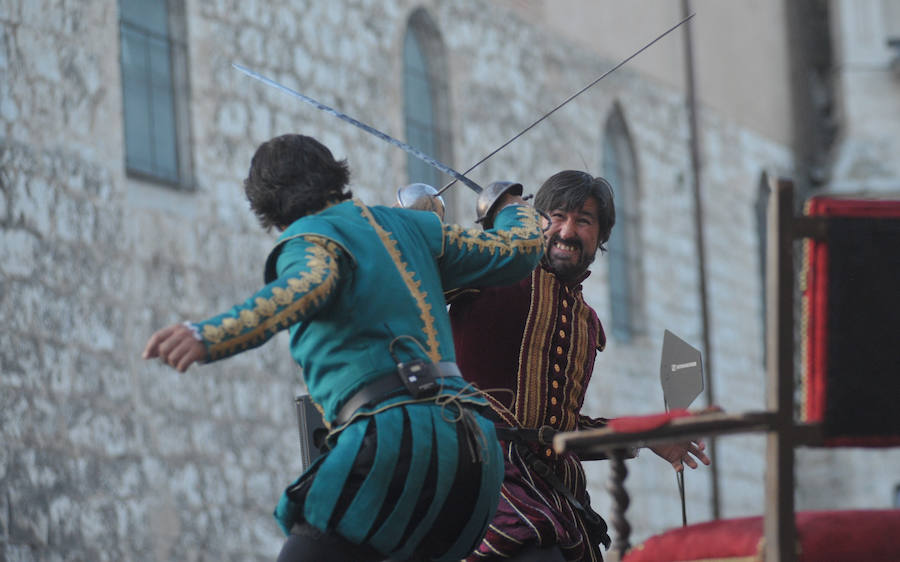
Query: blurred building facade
pixel 124 137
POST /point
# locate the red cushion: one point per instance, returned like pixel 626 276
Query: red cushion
pixel 637 424
pixel 870 535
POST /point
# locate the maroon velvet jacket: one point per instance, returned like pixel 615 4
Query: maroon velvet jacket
pixel 538 338
pixel 532 346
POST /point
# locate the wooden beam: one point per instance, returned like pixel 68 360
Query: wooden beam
pixel 589 442
pixel 779 527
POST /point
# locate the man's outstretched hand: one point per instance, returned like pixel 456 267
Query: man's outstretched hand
pixel 175 346
pixel 679 454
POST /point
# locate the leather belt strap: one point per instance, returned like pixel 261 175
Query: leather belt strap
pixel 387 386
pixel 598 525
pixel 543 435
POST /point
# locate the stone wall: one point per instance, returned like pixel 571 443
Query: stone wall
pixel 107 457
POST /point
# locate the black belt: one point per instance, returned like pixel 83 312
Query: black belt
pixel 543 435
pixel 594 524
pixel 390 385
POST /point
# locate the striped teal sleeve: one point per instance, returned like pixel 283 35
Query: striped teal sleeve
pixel 308 275
pixel 499 256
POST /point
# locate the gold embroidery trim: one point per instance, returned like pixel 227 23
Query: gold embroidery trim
pixel 578 353
pixel 504 242
pixel 533 360
pixel 332 245
pixel 414 287
pixel 301 293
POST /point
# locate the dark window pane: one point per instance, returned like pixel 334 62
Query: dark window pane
pixel 619 284
pixel 150 15
pixel 151 143
pixel 617 162
pixel 136 100
pixel 418 111
pixel 163 112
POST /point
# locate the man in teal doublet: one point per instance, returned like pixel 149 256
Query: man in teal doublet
pixel 361 290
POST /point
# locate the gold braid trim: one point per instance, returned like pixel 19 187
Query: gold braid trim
pixel 390 244
pixel 307 290
pixel 531 386
pixel 502 242
pixel 579 347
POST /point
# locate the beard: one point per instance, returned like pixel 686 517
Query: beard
pixel 568 269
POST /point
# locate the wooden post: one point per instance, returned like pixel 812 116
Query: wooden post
pixel 779 526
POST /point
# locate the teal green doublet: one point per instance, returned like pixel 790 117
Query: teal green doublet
pixel 434 441
pixel 361 289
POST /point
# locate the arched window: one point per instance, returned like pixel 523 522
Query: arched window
pixel 426 106
pixel 619 167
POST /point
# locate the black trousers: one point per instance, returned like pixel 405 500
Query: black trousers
pixel 306 543
pixel 534 554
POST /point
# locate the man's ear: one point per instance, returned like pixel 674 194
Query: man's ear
pixel 601 242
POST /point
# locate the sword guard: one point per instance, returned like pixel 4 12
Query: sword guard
pixel 485 206
pixel 422 197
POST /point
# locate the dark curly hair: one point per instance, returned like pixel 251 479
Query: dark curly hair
pixel 292 176
pixel 569 189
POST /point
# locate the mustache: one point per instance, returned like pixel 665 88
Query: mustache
pixel 574 241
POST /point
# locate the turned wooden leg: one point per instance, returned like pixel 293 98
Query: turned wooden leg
pixel 616 488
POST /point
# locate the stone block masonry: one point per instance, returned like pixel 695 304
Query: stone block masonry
pixel 107 457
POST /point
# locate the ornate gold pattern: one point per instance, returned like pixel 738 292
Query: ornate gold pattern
pixel 578 353
pixel 286 306
pixel 533 384
pixel 504 242
pixel 431 340
pixel 530 406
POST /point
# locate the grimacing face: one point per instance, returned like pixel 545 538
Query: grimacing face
pixel 572 239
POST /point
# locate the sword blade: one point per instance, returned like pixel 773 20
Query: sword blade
pixel 367 128
pixel 567 100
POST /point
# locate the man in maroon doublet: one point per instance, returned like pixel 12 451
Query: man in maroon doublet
pixel 531 346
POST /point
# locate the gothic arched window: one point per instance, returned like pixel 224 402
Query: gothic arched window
pixel 619 167
pixel 426 106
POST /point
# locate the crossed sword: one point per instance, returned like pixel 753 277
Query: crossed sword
pixel 425 157
pixel 447 169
